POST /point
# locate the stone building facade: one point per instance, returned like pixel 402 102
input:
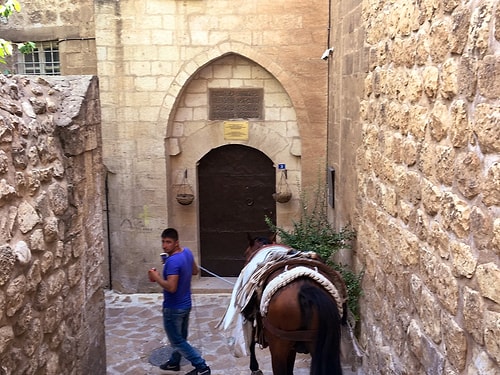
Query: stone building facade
pixel 51 228
pixel 416 113
pixel 157 63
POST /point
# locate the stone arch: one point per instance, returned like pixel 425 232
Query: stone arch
pixel 266 140
pixel 190 67
pixel 191 134
pixel 276 143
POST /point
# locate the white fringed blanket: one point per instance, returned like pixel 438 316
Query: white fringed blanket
pixel 250 280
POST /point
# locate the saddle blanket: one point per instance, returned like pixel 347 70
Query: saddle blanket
pixel 247 283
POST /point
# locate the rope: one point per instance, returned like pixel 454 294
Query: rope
pixel 194 311
pixel 286 277
pixel 217 276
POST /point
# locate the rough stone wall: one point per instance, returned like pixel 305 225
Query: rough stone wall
pixel 76 16
pixel 51 245
pixel 429 188
pixel 149 51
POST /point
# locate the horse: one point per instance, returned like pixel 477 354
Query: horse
pixel 297 306
pixel 255 243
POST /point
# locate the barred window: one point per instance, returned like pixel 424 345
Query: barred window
pixel 43 60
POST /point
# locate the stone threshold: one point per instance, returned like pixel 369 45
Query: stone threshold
pixel 211 285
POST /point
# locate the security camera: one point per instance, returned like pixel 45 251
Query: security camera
pixel 327 53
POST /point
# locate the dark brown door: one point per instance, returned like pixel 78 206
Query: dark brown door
pixel 236 184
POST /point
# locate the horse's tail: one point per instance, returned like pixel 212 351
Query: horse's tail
pixel 326 356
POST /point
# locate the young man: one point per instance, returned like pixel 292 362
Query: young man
pixel 176 283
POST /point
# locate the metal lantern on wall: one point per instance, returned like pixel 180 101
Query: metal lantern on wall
pixel 184 194
pixel 283 193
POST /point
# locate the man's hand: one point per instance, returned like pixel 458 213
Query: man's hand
pixel 153 275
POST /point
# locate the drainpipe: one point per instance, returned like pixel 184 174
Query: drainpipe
pixel 108 230
pixel 328 46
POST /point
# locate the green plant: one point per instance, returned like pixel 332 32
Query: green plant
pixel 353 283
pixel 9 7
pixel 313 232
pixel 6 10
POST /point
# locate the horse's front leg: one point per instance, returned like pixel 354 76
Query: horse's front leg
pixel 254 365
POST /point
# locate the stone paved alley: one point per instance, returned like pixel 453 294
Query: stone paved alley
pixel 136 342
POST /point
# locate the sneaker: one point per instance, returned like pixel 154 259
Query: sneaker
pixel 170 366
pixel 205 371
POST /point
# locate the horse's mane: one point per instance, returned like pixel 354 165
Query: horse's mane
pixel 255 244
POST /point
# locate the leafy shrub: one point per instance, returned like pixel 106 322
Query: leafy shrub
pixel 313 232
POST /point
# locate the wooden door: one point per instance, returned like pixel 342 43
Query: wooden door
pixel 235 187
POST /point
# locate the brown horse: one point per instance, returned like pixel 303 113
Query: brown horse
pixel 302 315
pixel 255 243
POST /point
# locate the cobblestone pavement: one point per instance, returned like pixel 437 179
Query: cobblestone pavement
pixel 136 342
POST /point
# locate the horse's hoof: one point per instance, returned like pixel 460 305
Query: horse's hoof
pixel 258 372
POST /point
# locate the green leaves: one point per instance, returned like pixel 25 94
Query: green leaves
pixel 6 10
pixel 5 50
pixel 9 7
pixel 26 47
pixel 353 284
pixel 314 232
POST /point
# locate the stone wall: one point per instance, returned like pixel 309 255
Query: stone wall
pixel 192 136
pixel 51 244
pixel 150 53
pixel 428 173
pixel 347 71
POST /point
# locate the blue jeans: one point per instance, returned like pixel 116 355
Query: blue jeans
pixel 175 322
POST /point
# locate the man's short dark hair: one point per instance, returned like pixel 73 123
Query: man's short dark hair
pixel 170 233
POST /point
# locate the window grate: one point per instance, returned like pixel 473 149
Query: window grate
pixel 44 60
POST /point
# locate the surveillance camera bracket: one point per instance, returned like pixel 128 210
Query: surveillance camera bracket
pixel 327 53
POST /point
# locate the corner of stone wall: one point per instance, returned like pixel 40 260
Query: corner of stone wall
pixel 51 235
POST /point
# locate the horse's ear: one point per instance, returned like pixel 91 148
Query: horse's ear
pixel 249 237
pixel 272 238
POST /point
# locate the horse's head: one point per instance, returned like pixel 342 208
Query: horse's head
pixel 256 243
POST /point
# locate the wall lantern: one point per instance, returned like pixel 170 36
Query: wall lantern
pixel 185 195
pixel 283 193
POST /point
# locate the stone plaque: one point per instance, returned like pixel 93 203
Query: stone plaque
pixel 236 130
pixel 227 104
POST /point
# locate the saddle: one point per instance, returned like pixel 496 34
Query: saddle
pixel 244 306
pixel 307 266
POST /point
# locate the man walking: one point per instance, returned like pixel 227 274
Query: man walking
pixel 176 283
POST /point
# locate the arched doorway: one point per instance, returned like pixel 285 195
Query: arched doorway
pixel 235 187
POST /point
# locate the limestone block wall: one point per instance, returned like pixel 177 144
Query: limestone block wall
pixel 429 188
pixel 51 243
pixel 192 136
pixel 348 66
pixel 148 53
